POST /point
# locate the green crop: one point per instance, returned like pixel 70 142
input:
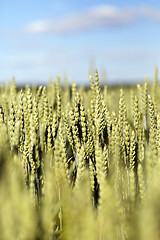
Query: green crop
pixel 80 164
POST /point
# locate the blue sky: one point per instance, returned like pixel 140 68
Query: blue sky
pixel 43 39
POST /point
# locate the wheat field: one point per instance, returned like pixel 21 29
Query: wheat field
pixel 80 164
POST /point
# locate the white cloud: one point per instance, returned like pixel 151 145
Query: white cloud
pixel 97 17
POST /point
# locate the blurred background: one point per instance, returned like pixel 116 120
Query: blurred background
pixel 42 39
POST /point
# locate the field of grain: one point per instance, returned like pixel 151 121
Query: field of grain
pixel 80 164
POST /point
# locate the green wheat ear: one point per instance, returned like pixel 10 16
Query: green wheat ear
pixel 155 85
pixel 122 111
pixel 136 117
